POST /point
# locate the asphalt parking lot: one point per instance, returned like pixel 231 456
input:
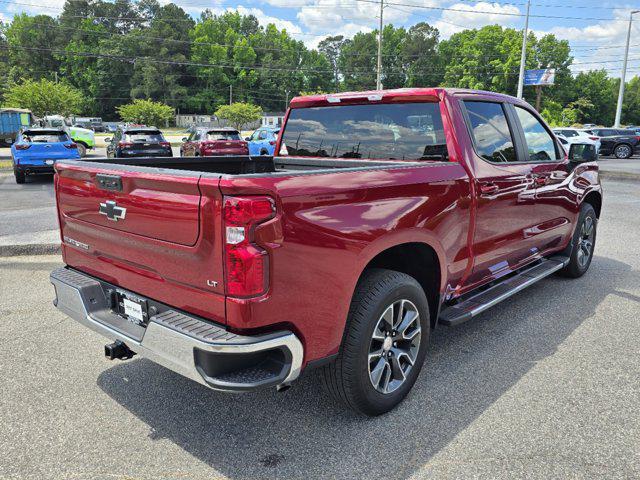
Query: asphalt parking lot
pixel 542 386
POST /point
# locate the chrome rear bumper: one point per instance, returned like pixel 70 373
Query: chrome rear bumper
pixel 186 344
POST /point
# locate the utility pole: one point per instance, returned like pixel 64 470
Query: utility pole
pixel 286 102
pixel 55 75
pixel 624 73
pixel 379 71
pixel 230 94
pixel 523 55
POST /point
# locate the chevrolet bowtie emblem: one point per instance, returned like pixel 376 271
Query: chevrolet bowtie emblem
pixel 112 211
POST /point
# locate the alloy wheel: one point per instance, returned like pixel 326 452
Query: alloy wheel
pixel 623 151
pixel 394 346
pixel 585 241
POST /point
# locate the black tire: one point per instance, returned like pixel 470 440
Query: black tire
pixel 578 265
pixel 623 151
pixel 264 152
pixel 20 177
pixel 82 149
pixel 348 378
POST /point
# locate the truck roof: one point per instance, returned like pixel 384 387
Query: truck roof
pixel 433 93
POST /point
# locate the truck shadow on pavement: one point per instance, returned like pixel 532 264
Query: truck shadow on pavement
pixel 301 433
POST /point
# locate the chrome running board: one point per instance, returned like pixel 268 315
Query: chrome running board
pixel 475 303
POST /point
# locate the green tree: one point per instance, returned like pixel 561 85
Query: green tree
pixel 600 91
pixel 330 47
pixel 631 104
pixel 30 40
pixel 239 114
pixel 166 37
pixel 420 56
pixel 487 58
pixel 44 97
pixel 146 112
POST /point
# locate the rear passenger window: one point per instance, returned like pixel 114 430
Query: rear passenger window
pixel 490 131
pixel 540 144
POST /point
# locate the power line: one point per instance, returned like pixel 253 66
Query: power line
pixel 409 5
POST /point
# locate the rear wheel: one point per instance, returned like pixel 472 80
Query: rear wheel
pixel 20 176
pixel 584 241
pixel 264 152
pixel 384 345
pixel 82 150
pixel 623 151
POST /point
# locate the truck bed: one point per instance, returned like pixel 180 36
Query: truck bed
pixel 243 165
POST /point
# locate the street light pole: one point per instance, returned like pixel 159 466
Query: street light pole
pixel 379 71
pixel 523 55
pixel 624 73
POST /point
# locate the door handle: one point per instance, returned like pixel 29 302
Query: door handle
pixel 488 188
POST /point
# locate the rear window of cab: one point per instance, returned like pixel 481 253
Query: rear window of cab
pixel 144 136
pixel 402 131
pixel 44 137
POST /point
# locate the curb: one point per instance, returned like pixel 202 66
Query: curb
pixel 29 249
pixel 620 176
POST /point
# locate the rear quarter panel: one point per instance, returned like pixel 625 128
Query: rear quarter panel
pixel 330 225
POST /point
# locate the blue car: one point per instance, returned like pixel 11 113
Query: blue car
pixel 263 141
pixel 36 150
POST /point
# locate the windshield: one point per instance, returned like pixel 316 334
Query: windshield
pixel 408 131
pixel 223 135
pixel 44 137
pixel 144 136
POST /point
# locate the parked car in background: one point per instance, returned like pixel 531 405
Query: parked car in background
pixel 263 141
pixel 111 127
pixel 37 149
pixel 210 142
pixel 83 137
pixel 94 123
pixel 387 213
pixel 573 135
pixel 138 142
pixel 619 142
pixel 12 120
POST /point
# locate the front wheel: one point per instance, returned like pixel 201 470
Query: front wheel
pixel 384 345
pixel 623 151
pixel 584 242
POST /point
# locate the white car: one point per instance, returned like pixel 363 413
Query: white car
pixel 573 135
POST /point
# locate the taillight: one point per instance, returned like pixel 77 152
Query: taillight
pixel 125 144
pixel 165 144
pixel 22 146
pixel 246 263
pixel 595 139
pixel 272 142
pixel 71 145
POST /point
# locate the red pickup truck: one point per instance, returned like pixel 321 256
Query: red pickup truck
pixel 382 215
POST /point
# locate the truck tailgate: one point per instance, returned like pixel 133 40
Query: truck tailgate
pixel 156 234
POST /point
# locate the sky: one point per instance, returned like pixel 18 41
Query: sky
pixel 596 29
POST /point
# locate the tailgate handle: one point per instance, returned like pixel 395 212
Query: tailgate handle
pixel 109 182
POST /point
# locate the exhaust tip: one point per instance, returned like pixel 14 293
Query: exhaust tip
pixel 118 350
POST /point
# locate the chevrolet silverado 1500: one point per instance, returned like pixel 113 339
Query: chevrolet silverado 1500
pixel 382 215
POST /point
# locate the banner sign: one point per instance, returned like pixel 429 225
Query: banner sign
pixel 544 76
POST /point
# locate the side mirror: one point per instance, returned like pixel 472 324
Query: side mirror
pixel 184 139
pixel 107 140
pixel 582 152
pixel 247 139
